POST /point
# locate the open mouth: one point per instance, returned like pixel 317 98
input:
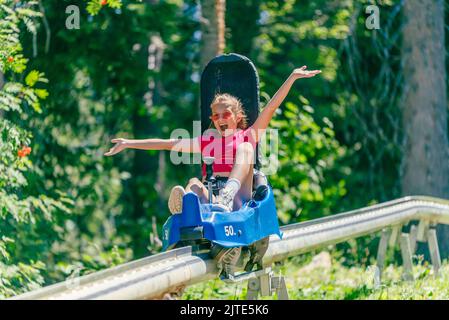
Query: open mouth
pixel 223 127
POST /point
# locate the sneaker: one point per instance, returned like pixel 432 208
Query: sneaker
pixel 175 199
pixel 226 199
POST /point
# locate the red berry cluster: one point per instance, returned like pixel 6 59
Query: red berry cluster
pixel 10 59
pixel 104 2
pixel 24 152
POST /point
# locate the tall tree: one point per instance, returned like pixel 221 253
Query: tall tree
pixel 425 115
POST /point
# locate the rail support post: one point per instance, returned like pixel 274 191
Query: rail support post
pixel 253 289
pixel 395 231
pixel 265 285
pixel 434 250
pixel 278 283
pixel 421 234
pixel 389 237
pixel 413 238
pixel 406 257
pixel 426 232
pixel 382 250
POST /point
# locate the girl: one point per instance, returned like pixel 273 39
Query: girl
pixel 232 135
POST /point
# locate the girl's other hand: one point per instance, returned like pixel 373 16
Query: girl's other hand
pixel 303 73
pixel 120 144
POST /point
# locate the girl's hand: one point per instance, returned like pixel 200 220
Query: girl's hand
pixel 303 73
pixel 120 144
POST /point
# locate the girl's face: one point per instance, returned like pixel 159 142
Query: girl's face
pixel 224 119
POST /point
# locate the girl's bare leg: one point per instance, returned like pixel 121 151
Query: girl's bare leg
pixel 243 172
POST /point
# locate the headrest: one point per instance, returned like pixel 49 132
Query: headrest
pixel 234 74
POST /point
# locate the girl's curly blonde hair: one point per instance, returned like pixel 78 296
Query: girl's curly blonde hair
pixel 236 107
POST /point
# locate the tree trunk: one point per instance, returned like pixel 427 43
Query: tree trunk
pixel 220 7
pixel 425 161
pixel 212 30
pixel 145 167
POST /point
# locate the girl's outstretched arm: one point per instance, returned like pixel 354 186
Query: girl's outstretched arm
pixel 265 116
pixel 182 145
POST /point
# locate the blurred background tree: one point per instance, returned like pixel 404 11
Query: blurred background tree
pixel 424 104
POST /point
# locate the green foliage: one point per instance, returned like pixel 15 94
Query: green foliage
pixel 103 221
pixel 24 217
pixel 12 59
pixel 20 278
pixel 94 6
pixel 313 176
pixel 355 97
pixel 369 87
pixel 310 179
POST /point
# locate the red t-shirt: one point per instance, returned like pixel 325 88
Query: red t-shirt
pixel 223 149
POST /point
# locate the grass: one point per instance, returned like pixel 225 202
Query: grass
pixel 338 282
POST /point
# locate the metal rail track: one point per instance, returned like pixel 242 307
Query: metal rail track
pixel 152 276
